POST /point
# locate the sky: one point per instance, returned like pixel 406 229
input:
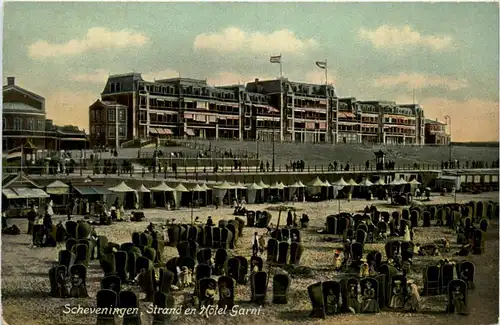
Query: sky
pixel 445 55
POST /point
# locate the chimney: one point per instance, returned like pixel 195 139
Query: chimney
pixel 11 81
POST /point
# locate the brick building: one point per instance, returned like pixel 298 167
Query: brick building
pixel 435 133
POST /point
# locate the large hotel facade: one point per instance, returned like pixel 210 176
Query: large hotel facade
pixel 131 108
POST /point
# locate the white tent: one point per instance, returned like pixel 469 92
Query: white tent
pixel 277 186
pixel 121 188
pixel 398 181
pixel 352 182
pixel 143 189
pixel 162 188
pixel 221 190
pixel 179 189
pixel 340 183
pixel 262 184
pixel 198 188
pixel 143 194
pixel 316 183
pixel 379 182
pixel 365 182
pixel 414 182
pixel 252 192
pixel 314 186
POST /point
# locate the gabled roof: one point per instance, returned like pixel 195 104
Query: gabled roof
pixel 19 178
pixel 22 90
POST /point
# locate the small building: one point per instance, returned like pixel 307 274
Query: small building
pixel 107 119
pixel 435 133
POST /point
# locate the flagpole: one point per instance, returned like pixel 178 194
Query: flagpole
pixel 281 65
pixel 281 103
pixel 22 154
pixel 326 72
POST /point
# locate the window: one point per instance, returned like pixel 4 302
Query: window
pixel 92 131
pixel 31 124
pixel 121 130
pixel 4 123
pixel 121 115
pixel 17 123
pixel 98 131
pixel 111 131
pixel 111 115
pixel 113 87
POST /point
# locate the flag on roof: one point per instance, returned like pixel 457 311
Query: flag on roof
pixel 321 64
pixel 275 59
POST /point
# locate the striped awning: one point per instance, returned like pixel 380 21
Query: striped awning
pixel 164 131
pixel 153 131
pixel 190 132
pixel 346 114
pixel 102 190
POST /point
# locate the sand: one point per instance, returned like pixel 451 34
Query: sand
pixel 25 282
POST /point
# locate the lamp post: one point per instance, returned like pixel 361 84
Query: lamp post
pixel 273 147
pixel 448 119
pixel 116 127
pixel 257 141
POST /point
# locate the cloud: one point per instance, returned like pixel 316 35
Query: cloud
pixel 233 39
pixel 403 38
pixel 231 78
pixel 417 80
pixel 99 76
pixel 96 38
pixel 70 107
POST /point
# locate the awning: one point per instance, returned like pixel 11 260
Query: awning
pixel 26 193
pixel 164 131
pixel 10 194
pixel 102 190
pixel 85 190
pixel 190 132
pixel 58 190
pixel 346 114
pixel 153 131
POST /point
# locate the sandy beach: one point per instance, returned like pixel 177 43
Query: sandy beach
pixel 25 281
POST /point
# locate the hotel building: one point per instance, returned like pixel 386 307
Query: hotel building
pixel 261 109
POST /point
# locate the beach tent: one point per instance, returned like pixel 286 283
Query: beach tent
pixel 352 182
pixel 366 183
pixel 279 188
pixel 220 191
pixel 125 195
pixel 178 190
pixel 160 194
pixel 252 192
pixel 143 196
pixel 314 186
pixel 380 182
pixel 296 188
pixel 59 194
pixel 262 184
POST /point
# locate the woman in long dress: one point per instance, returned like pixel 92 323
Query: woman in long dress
pixel 353 299
pixel 50 209
pixel 370 304
pixel 458 302
pixel 397 296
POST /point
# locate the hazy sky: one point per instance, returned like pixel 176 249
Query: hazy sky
pixel 448 52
